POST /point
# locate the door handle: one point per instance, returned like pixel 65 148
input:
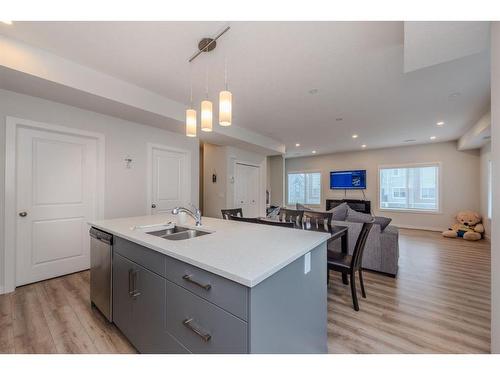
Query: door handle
pixel 130 281
pixel 23 214
pixel 153 205
pixel 135 292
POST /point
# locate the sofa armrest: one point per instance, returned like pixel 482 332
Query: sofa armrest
pixel 389 246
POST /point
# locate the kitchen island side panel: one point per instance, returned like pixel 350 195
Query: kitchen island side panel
pixel 288 311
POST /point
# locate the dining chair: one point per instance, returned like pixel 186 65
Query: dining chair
pixel 245 219
pixel 288 215
pixel 350 264
pixel 317 220
pixel 285 224
pixel 226 213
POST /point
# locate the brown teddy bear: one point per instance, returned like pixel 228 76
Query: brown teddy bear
pixel 469 226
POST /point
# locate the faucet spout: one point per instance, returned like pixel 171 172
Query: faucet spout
pixel 195 213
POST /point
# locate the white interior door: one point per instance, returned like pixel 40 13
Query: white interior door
pixel 170 180
pixel 56 197
pixel 246 189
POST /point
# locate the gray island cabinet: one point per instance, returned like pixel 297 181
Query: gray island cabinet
pixel 164 305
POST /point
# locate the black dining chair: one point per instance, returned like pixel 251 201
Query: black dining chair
pixel 285 224
pixel 349 264
pixel 317 220
pixel 226 213
pixel 245 219
pixel 288 215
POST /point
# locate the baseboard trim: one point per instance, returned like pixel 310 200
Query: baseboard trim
pixel 431 229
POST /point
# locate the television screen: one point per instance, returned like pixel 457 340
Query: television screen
pixel 348 179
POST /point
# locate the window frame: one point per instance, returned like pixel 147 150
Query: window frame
pixel 439 191
pixel 305 172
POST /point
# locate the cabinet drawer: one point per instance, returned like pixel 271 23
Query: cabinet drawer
pixel 149 259
pixel 225 293
pixel 201 326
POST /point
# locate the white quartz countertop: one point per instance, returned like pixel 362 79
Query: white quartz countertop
pixel 242 252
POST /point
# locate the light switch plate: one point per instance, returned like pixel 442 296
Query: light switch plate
pixel 307 263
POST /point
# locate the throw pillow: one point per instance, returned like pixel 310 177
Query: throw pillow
pixel 358 217
pixel 339 213
pixel 382 221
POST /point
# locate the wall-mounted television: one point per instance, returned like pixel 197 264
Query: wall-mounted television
pixel 348 180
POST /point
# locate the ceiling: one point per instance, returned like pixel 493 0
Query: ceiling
pixel 313 83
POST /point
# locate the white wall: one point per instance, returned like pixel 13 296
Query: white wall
pixel 222 159
pixel 459 177
pixel 495 157
pixel 125 189
pixel 485 157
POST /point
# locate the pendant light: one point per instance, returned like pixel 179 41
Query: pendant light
pixel 225 102
pixel 191 115
pixel 206 110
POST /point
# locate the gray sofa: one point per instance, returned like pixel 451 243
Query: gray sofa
pixel 382 247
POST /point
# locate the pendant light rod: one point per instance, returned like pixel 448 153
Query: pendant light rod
pixel 208 46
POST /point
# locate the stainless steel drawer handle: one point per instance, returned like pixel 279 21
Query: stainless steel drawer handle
pixel 189 278
pixel 189 323
pixel 132 283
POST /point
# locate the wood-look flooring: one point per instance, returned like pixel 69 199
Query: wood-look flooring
pixel 439 303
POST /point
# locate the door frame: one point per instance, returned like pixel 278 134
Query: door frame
pixel 10 198
pixel 262 195
pixel 149 173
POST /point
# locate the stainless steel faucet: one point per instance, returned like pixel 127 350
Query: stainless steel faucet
pixel 196 215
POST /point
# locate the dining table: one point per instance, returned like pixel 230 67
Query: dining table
pixel 336 232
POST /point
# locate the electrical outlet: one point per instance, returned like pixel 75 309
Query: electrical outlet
pixel 307 263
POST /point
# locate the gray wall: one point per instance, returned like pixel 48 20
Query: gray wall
pixel 495 156
pixel 125 189
pixel 276 178
pixel 459 178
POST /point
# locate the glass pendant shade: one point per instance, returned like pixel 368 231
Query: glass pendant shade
pixel 225 99
pixel 191 123
pixel 206 116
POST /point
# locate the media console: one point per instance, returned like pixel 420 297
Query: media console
pixel 356 204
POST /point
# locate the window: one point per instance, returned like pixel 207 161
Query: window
pixel 490 190
pixel 398 193
pixel 304 188
pixel 410 188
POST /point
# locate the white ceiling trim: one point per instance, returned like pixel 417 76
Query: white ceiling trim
pixel 477 136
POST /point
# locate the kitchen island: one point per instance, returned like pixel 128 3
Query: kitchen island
pixel 236 288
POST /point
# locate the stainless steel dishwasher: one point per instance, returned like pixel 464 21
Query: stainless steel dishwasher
pixel 101 271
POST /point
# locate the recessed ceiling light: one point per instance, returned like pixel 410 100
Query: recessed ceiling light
pixel 363 146
pixel 297 144
pixel 7 22
pixel 440 123
pixel 454 95
pixel 355 136
pixel 313 91
pixel 432 137
pixel 313 151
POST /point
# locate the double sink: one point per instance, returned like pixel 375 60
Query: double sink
pixel 178 233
